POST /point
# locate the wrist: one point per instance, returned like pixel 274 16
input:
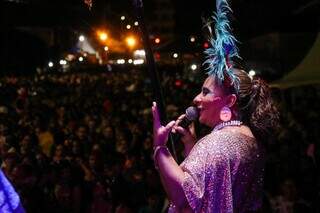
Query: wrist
pixel 156 151
pixel 159 143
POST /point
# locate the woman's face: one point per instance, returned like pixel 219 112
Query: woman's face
pixel 209 102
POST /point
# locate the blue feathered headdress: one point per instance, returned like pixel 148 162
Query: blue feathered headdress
pixel 223 47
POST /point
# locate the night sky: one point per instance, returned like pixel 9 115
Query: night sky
pixel 251 18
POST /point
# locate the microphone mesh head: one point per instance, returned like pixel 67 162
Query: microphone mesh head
pixel 192 113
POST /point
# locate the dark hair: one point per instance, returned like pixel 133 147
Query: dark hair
pixel 255 105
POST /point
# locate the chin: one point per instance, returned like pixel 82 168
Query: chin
pixel 203 121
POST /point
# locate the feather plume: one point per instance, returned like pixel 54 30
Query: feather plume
pixel 223 46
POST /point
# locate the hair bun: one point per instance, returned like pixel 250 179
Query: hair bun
pixel 256 83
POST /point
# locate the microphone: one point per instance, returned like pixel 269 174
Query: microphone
pixel 192 114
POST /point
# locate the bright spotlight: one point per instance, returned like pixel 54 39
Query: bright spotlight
pixel 192 39
pixel 193 66
pixel 138 61
pixel 175 55
pixel 131 41
pixel 122 18
pixel 128 26
pixel 82 38
pixel 106 48
pixel 139 53
pixel 252 73
pixel 121 61
pixel 130 61
pixel 136 23
pixel 157 40
pixel 102 36
pixel 80 58
pixel 62 62
pixel 50 64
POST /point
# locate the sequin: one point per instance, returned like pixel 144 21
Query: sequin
pixel 223 173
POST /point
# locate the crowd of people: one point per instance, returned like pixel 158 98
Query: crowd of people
pixel 82 141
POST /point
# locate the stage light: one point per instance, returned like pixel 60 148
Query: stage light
pixel 192 39
pixel 157 40
pixel 138 61
pixel 122 18
pixel 80 59
pixel 131 41
pixel 62 62
pixel 121 61
pixel 106 48
pixel 139 53
pixel 206 45
pixel 70 57
pixel 82 38
pixel 130 61
pixel 102 35
pixel 128 26
pixel 136 23
pixel 252 73
pixel 50 64
pixel 193 66
pixel 175 55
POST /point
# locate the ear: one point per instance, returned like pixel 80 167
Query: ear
pixel 231 100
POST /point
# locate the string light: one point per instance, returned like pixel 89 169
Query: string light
pixel 157 40
pixel 81 38
pixel 193 66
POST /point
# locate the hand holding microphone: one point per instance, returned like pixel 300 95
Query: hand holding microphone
pixel 184 129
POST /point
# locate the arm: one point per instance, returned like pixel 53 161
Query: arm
pixel 188 135
pixel 171 177
pixel 171 174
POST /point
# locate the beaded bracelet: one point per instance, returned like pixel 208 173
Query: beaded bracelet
pixel 155 152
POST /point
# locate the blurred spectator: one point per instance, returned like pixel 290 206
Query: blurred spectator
pixel 82 141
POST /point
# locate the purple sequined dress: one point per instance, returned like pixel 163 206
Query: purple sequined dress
pixel 224 173
pixel 9 199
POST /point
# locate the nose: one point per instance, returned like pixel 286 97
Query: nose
pixel 197 99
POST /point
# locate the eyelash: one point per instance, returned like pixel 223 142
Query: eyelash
pixel 205 92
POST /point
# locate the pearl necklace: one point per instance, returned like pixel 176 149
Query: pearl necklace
pixel 227 123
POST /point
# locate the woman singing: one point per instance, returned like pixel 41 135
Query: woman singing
pixel 223 171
